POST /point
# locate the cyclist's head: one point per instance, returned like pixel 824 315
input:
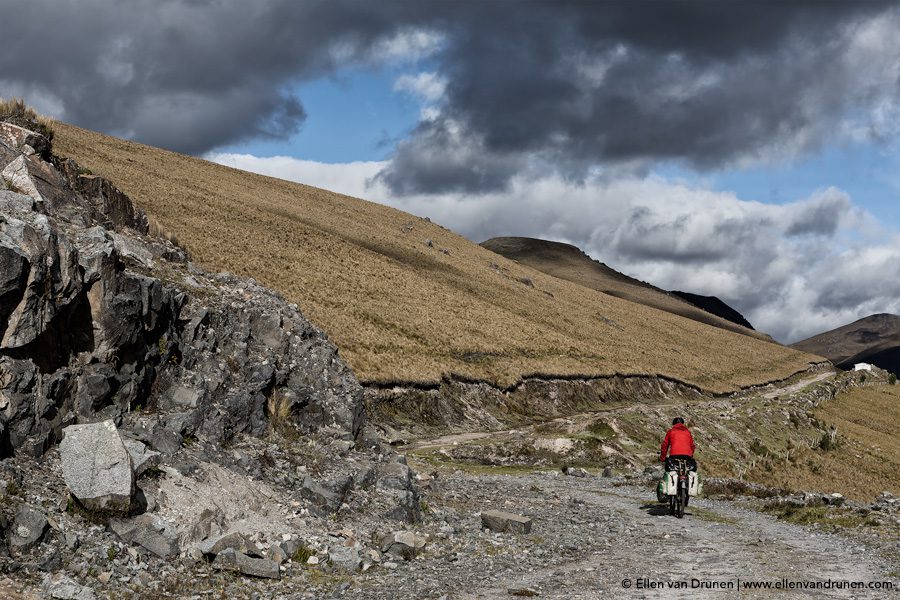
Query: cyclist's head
pixel 677 420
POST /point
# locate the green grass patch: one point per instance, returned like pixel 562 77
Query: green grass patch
pixel 820 515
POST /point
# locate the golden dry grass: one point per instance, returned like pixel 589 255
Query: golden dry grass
pixel 570 263
pixel 403 311
pixel 867 419
pixel 15 111
pixel 866 460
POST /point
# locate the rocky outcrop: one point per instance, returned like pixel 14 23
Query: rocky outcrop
pixel 97 319
pixel 155 414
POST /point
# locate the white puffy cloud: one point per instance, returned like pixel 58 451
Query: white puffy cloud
pixel 427 85
pixel 792 269
pixel 347 178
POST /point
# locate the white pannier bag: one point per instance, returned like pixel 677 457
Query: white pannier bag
pixel 695 488
pixel 670 483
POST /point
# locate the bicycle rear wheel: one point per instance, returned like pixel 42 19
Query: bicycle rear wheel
pixel 680 502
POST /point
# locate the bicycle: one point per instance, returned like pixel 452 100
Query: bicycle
pixel 679 500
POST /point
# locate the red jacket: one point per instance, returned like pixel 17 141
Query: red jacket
pixel 680 440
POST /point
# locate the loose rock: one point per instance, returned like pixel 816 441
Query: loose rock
pixel 28 530
pixel 96 467
pixel 500 521
pixel 232 560
pixel 404 544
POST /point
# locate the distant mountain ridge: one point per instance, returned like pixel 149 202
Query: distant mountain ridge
pixel 569 262
pixel 874 339
pixel 714 305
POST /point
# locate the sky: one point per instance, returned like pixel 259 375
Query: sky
pixel 747 150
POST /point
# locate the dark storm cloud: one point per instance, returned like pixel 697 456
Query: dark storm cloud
pixel 183 74
pixel 585 83
pixel 531 85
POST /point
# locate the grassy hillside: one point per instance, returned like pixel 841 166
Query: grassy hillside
pixel 866 459
pixel 570 263
pixel 405 299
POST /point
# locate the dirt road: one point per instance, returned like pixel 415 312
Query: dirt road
pixel 596 537
pixel 591 536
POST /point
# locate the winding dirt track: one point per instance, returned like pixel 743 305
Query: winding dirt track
pixel 716 543
pixel 590 536
pixel 603 535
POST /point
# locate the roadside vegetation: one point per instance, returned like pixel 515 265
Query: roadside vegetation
pixel 406 300
pixel 15 111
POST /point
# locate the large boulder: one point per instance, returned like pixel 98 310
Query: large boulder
pixel 97 467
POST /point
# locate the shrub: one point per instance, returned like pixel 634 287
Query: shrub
pixel 602 430
pixel 829 440
pixel 302 554
pixel 758 448
pixel 15 111
pixel 892 379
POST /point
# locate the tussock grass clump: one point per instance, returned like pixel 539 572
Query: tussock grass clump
pixel 15 111
pixel 278 409
pixel 401 310
pixel 157 229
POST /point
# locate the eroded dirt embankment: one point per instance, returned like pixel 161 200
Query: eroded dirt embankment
pixel 457 405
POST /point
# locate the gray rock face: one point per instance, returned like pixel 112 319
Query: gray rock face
pixel 97 467
pixel 232 560
pixel 405 544
pixel 148 532
pixel 27 531
pixel 500 521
